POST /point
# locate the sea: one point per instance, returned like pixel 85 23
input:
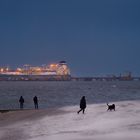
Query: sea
pixel 57 94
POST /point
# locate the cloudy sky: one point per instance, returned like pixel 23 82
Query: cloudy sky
pixel 95 37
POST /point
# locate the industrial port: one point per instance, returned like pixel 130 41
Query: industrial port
pixel 54 72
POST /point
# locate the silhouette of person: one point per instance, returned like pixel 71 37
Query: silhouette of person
pixel 82 105
pixel 35 99
pixel 21 101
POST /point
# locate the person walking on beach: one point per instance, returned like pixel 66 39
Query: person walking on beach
pixel 82 105
pixel 21 101
pixel 35 99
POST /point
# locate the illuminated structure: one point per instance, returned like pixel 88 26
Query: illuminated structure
pixel 53 71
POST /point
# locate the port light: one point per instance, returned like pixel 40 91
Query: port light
pixel 2 70
pixel 19 69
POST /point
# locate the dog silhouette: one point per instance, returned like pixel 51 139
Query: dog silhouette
pixel 111 107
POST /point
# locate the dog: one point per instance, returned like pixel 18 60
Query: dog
pixel 111 107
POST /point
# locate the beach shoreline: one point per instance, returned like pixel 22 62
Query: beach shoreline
pixel 64 123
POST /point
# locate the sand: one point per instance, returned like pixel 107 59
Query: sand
pixel 65 124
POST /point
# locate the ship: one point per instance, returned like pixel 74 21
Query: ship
pixel 52 72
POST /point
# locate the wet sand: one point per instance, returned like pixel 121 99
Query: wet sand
pixel 14 122
pixel 9 117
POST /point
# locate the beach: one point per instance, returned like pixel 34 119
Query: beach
pixel 70 70
pixel 64 123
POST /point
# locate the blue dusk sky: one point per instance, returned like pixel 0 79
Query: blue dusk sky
pixel 95 37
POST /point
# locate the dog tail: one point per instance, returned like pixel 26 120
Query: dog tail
pixel 107 104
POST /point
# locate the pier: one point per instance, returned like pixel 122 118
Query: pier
pixel 105 79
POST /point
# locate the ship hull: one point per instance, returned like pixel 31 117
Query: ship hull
pixel 35 77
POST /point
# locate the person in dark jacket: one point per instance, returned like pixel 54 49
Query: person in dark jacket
pixel 21 101
pixel 82 105
pixel 35 99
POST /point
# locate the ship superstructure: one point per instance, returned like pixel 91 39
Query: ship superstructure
pixel 60 68
pixel 52 71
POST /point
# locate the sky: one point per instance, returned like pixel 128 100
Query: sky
pixel 95 37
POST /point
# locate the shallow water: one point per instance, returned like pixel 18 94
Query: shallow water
pixel 58 94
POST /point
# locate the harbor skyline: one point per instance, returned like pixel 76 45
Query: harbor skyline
pixel 94 37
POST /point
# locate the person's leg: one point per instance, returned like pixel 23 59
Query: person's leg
pixel 37 106
pixel 83 111
pixel 79 111
pixel 21 105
